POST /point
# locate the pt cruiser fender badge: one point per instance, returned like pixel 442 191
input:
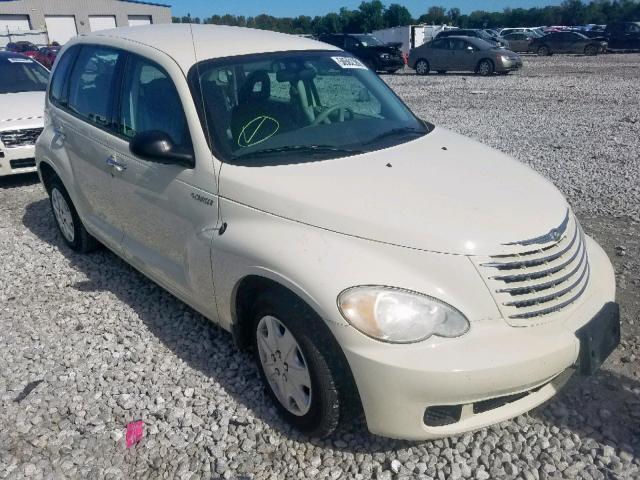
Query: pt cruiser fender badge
pixel 202 199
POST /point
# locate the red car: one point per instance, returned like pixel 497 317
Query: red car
pixel 25 48
pixel 47 56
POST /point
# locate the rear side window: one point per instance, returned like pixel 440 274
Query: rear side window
pixel 90 84
pixel 150 102
pixel 57 92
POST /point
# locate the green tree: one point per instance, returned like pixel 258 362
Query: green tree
pixel 397 15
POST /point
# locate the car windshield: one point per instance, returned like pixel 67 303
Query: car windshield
pixel 295 107
pixel 21 74
pixel 369 41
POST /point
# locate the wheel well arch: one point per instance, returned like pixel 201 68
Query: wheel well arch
pixel 244 294
pixel 47 174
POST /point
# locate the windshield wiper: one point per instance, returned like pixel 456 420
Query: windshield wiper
pixel 300 149
pixel 397 131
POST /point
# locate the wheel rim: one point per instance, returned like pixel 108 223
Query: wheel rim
pixel 284 365
pixel 62 212
pixel 421 68
pixel 484 68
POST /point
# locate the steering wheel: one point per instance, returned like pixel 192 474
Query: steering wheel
pixel 324 116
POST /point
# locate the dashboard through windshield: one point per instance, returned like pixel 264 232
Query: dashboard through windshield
pixel 294 107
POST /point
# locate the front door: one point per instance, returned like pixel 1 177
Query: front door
pixel 83 128
pixel 166 210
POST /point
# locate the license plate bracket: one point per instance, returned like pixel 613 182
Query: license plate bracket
pixel 598 338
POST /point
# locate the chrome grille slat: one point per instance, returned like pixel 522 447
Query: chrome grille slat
pixel 20 138
pixel 533 263
pixel 555 308
pixel 537 274
pixel 547 298
pixel 545 285
pixel 542 281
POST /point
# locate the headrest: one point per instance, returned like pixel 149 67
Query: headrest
pixel 248 91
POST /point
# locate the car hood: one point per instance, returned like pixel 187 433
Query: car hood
pixel 19 107
pixel 442 192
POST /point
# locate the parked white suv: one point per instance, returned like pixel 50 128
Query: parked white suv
pixel 23 82
pixel 370 259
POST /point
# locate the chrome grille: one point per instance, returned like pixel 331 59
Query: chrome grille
pixel 536 282
pixel 20 138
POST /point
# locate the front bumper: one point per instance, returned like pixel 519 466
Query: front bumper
pixel 398 383
pixel 393 63
pixel 17 160
pixel 508 65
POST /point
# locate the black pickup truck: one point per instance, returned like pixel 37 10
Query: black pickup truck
pixel 623 35
pixel 371 51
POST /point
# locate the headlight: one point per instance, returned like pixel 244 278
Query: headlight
pixel 399 316
pixel 385 56
pixel 505 58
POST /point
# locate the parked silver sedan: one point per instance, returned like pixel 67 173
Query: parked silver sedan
pixel 463 54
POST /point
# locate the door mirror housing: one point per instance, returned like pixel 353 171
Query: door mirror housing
pixel 157 146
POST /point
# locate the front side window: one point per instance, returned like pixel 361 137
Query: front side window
pixel 56 91
pixel 350 42
pixel 298 106
pixel 90 83
pixel 21 74
pixel 150 102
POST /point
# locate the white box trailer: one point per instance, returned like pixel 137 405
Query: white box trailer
pixel 409 36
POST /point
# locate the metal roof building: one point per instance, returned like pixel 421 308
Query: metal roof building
pixel 63 19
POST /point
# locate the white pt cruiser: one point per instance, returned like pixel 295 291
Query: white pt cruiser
pixel 371 260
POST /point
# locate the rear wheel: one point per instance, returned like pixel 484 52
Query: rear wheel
pixel 543 51
pixel 590 50
pixel 422 67
pixel 67 220
pixel 485 67
pixel 302 366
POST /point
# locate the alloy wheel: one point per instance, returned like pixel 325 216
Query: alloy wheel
pixel 422 67
pixel 284 365
pixel 63 215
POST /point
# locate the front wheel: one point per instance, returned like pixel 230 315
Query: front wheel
pixel 422 67
pixel 67 220
pixel 485 67
pixel 590 50
pixel 543 51
pixel 300 364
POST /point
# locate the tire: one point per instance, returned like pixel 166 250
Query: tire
pixel 485 67
pixel 590 50
pixel 422 67
pixel 441 72
pixel 329 394
pixel 73 233
pixel 543 51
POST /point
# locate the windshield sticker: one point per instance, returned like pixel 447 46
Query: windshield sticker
pixel 19 60
pixel 349 62
pixel 257 131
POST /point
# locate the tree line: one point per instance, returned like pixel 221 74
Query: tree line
pixel 374 15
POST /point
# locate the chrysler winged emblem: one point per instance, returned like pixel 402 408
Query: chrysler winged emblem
pixel 552 235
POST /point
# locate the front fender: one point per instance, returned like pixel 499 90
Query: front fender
pixel 317 264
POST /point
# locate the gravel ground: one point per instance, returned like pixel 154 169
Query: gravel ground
pixel 88 344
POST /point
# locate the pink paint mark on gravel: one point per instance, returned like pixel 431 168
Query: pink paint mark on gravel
pixel 135 432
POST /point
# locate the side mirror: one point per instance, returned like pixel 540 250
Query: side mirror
pixel 156 146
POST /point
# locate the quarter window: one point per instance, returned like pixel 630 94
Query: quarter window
pixel 150 102
pixel 90 84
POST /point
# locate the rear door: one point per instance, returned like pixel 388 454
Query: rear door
pixel 437 54
pixel 83 128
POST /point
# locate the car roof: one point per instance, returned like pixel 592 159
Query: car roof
pixel 209 41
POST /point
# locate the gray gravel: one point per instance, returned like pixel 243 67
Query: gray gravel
pixel 88 344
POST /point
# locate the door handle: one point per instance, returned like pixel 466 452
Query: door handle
pixel 117 166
